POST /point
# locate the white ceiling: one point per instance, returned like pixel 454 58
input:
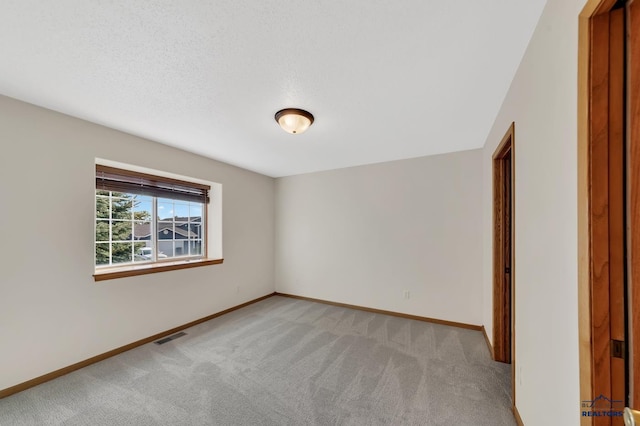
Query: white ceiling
pixel 385 79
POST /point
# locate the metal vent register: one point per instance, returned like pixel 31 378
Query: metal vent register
pixel 170 338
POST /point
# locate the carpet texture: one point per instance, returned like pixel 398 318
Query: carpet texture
pixel 283 361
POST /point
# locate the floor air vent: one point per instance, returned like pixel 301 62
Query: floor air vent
pixel 170 338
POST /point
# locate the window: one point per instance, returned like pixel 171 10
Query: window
pixel 147 220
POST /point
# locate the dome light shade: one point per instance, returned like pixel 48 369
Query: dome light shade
pixel 294 120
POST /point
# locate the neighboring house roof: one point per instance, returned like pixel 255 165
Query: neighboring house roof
pixel 142 230
pixel 185 219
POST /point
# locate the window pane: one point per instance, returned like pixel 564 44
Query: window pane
pixel 195 212
pixel 181 211
pixel 177 249
pixel 165 230
pixel 102 253
pixel 102 230
pixel 196 231
pixel 195 247
pixel 143 252
pixel 102 207
pixel 165 209
pixel 121 231
pixel 183 247
pixel 142 231
pixel 142 198
pixel 121 208
pixel 104 193
pixel 142 208
pixel 182 231
pixel 165 249
pixel 121 252
pixel 196 225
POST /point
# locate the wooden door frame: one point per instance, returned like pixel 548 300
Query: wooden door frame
pixel 594 236
pixel 503 336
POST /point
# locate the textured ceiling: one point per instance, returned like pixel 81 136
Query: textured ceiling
pixel 385 79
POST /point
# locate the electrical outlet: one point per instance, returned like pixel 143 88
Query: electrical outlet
pixel 407 294
pixel 237 289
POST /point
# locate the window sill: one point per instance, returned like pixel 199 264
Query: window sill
pixel 132 271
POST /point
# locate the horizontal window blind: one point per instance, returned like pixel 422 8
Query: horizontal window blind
pixel 120 180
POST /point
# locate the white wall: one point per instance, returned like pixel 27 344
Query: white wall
pixel 52 313
pixel 543 102
pixel 363 235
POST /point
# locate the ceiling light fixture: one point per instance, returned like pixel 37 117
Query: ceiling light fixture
pixel 294 120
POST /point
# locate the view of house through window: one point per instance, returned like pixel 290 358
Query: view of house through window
pixel 137 227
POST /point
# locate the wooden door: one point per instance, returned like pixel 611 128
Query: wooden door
pixel 633 193
pixel 503 253
pixel 602 145
pixel 607 206
pixel 507 253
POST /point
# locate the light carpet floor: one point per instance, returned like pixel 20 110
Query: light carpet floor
pixel 284 361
